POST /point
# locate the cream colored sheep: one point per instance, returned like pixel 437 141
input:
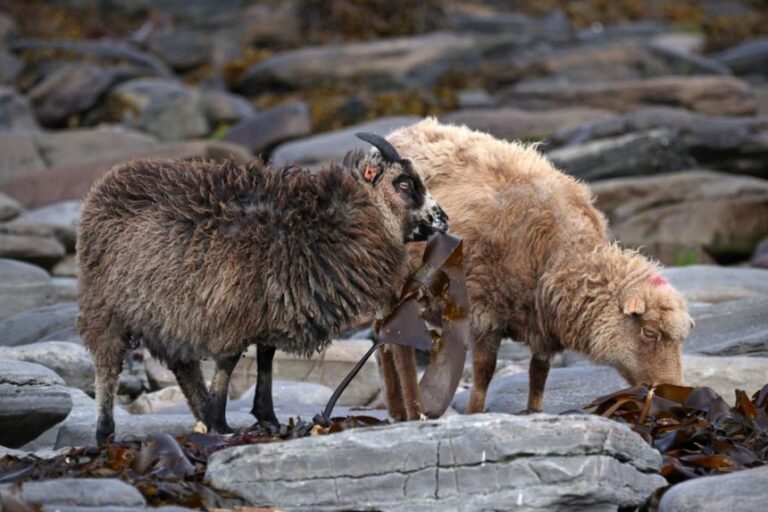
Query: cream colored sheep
pixel 539 268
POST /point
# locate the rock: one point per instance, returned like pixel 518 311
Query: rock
pixel 735 144
pixel 159 376
pixel 635 154
pixel 486 462
pixel 9 207
pixel 183 49
pixel 165 108
pixel 680 216
pixel 22 287
pixel 735 327
pixel 8 27
pixel 394 62
pixel 72 362
pixel 327 368
pixel 66 267
pixel 709 95
pixel 72 89
pixel 325 147
pixel 474 98
pixel 32 399
pixel 15 116
pixel 272 126
pixel 66 289
pixel 10 67
pixel 19 244
pixel 31 325
pixel 554 28
pixel 293 393
pixel 746 58
pixel 221 107
pixel 688 43
pixel 512 123
pixel 742 490
pixel 726 374
pixel 567 389
pixel 760 255
pixel 60 217
pixel 83 492
pixel 712 284
pixel 150 403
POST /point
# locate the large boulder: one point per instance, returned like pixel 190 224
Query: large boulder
pixel 324 147
pixel 735 327
pixel 32 325
pixel 687 216
pixel 71 361
pixel 747 58
pixel 744 491
pixel 30 244
pixel 61 218
pixel 16 114
pixel 712 284
pixel 181 48
pixel 271 126
pixel 99 493
pixel 475 462
pixel 709 95
pixel 567 389
pixel 32 400
pixel 225 108
pixel 22 287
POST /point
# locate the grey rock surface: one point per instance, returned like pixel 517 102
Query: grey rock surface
pixel 71 361
pixel 744 491
pixel 32 400
pixel 736 327
pixel 30 244
pixel 726 374
pixel 272 126
pixel 475 462
pixel 22 287
pixel 66 289
pixel 32 325
pixel 714 284
pixel 223 107
pixel 61 218
pixel 567 389
pixel 9 207
pixel 292 392
pixel 16 113
pixel 333 145
pixel 748 57
pixel 88 492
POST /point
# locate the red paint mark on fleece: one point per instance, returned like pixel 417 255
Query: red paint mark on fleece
pixel 658 281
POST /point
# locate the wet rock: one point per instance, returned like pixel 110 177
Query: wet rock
pixel 22 287
pixel 72 89
pixel 382 63
pixel 30 245
pixel 746 58
pixel 744 491
pixel 181 48
pixel 635 154
pixel 222 107
pixel 760 256
pixel 726 374
pixel 709 95
pixel 679 217
pixel 735 144
pixel 537 463
pixel 32 325
pixel 32 399
pixel 333 145
pixel 15 116
pixel 83 492
pixel 71 361
pixel 735 327
pixel 712 284
pixel 327 368
pixel 165 108
pixel 293 393
pixel 272 126
pixel 66 289
pixel 61 218
pixel 512 123
pixel 567 389
pixel 9 207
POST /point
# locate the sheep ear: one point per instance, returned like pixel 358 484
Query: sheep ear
pixel 634 305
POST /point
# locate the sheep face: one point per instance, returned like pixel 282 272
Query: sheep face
pixel 645 340
pixel 399 189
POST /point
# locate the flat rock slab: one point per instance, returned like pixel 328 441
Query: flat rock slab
pixel 23 286
pixel 726 374
pixel 714 284
pixel 744 491
pixel 71 361
pixel 488 461
pixel 35 324
pixel 88 492
pixel 736 327
pixel 567 389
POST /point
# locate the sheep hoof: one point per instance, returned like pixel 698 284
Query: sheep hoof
pixel 222 429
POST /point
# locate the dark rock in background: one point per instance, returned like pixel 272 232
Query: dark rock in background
pixel 271 126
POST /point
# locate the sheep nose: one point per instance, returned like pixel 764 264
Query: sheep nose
pixel 440 222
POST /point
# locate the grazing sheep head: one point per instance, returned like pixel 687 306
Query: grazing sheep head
pixel 397 186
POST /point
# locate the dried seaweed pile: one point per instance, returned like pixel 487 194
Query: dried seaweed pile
pixel 166 470
pixel 695 430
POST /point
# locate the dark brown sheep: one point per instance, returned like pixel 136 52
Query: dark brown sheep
pixel 203 259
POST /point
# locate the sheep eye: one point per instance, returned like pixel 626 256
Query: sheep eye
pixel 404 185
pixel 649 334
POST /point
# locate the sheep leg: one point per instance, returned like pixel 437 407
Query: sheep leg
pixel 190 379
pixel 392 389
pixel 405 363
pixel 263 408
pixel 484 356
pixel 219 391
pixel 537 379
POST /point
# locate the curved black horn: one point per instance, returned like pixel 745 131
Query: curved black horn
pixel 388 152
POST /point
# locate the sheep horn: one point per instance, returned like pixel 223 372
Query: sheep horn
pixel 386 149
